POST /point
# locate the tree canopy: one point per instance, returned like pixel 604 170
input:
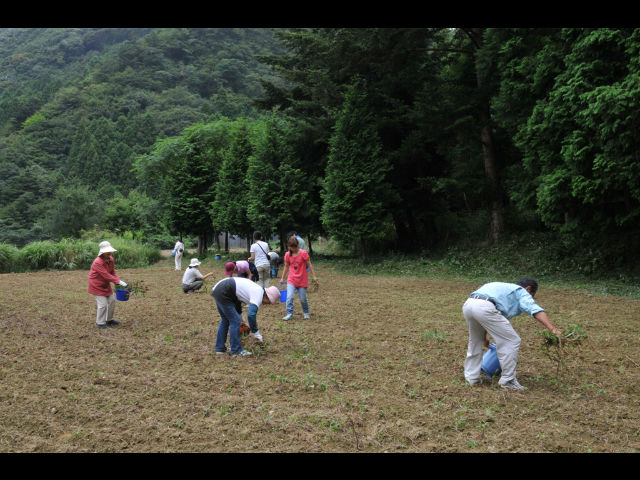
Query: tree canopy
pixel 382 138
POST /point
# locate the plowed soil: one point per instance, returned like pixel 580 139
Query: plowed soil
pixel 378 368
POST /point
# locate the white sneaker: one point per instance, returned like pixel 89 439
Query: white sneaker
pixel 513 384
pixel 241 353
pixel 287 316
pixel 306 316
pixel 257 336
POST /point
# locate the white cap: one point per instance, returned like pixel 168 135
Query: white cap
pixel 194 262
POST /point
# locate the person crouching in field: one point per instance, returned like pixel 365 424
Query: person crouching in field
pixel 192 279
pixel 101 275
pixel 296 263
pixel 229 294
pixel 488 310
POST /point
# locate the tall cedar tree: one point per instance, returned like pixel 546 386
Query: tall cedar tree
pixel 229 208
pixel 356 195
pixel 278 190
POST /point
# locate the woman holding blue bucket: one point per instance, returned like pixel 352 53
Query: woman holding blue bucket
pixel 296 263
pixel 487 310
pixel 101 275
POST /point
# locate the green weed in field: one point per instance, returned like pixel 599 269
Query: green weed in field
pixel 437 335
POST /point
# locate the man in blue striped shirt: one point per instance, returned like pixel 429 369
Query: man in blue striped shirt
pixel 488 310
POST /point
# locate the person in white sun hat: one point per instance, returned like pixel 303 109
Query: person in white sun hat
pixel 229 295
pixel 192 280
pixel 101 275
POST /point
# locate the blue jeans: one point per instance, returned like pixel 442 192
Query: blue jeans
pixel 229 323
pixel 302 295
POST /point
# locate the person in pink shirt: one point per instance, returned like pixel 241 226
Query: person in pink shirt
pixel 101 275
pixel 296 262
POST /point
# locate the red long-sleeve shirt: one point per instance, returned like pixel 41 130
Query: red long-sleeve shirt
pixel 101 275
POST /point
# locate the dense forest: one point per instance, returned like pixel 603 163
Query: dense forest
pixel 383 139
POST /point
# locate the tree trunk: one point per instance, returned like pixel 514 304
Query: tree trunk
pixel 283 246
pixel 488 151
pixel 201 243
pixel 363 249
pixel 226 242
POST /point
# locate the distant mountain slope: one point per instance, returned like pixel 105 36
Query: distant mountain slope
pixel 77 105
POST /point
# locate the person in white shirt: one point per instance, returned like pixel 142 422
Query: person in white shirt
pixel 229 295
pixel 179 248
pixel 260 258
pixel 192 280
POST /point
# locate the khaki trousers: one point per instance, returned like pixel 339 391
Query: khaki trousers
pixel 263 272
pixel 481 316
pixel 106 306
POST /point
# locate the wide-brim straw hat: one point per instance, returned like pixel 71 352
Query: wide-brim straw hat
pixel 273 293
pixel 105 247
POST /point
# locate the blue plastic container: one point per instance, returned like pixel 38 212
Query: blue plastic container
pixel 490 363
pixel 283 296
pixel 218 257
pixel 122 295
pixel 173 253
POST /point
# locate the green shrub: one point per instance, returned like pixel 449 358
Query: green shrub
pixel 8 255
pixel 131 254
pixel 38 255
pixel 72 254
pixel 75 254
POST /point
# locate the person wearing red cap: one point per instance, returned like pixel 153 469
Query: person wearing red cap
pixel 101 275
pixel 229 294
pixel 230 269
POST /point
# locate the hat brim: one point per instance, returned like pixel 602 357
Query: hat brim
pixel 273 294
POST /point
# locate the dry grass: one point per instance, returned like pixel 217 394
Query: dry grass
pixel 377 369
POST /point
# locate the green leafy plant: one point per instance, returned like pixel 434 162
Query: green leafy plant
pixel 553 346
pixel 437 335
pixel 135 287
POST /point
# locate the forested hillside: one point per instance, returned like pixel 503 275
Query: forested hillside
pixel 394 139
pixel 78 105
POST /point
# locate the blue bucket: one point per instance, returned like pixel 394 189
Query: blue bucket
pixel 122 295
pixel 173 253
pixel 490 363
pixel 283 296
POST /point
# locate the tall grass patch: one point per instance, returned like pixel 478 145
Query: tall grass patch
pixel 73 254
pixel 8 255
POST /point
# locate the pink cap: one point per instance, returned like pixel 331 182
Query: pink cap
pixel 243 266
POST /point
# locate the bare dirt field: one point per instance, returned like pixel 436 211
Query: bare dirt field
pixel 378 368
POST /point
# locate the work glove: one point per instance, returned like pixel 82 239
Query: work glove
pixel 122 283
